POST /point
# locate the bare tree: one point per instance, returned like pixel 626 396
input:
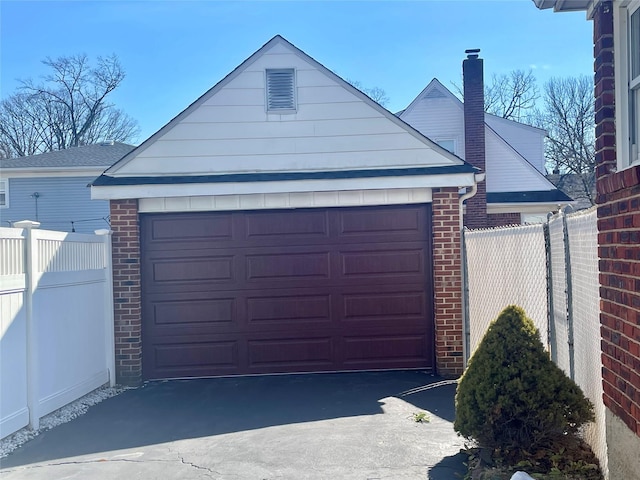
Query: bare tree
pixel 375 93
pixel 512 96
pixel 568 116
pixel 68 108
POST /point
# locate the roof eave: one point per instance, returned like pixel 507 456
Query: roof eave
pixel 564 5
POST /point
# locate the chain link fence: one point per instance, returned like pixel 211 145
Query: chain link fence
pixel 551 271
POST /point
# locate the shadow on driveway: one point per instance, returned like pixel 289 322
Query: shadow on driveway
pixel 171 411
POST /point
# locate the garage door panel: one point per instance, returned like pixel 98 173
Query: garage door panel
pixel 289 309
pixel 180 312
pixel 188 228
pixel 276 229
pixel 287 291
pixel 379 263
pixel 179 270
pixel 299 354
pixel 381 223
pixel 389 306
pixel 384 350
pixel 197 354
pixel 288 266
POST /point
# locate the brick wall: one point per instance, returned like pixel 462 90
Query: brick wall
pixel 503 219
pixel 447 282
pixel 619 242
pixel 619 252
pixel 126 291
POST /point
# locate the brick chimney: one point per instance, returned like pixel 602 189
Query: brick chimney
pixel 474 145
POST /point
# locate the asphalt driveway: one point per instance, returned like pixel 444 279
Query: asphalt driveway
pixel 321 426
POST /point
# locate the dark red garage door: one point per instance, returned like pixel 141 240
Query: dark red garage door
pixel 286 291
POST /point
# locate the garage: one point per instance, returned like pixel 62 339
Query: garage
pixel 285 222
pixel 274 291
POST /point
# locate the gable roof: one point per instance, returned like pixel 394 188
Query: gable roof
pixel 436 90
pixel 437 156
pixel 100 155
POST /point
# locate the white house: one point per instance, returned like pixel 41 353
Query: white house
pixel 516 186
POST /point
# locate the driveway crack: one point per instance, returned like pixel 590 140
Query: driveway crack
pixel 81 462
pixel 197 467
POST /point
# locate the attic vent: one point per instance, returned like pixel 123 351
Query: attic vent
pixel 434 94
pixel 281 89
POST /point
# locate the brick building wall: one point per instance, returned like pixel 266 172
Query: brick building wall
pixel 447 282
pixel 503 219
pixel 127 291
pixel 618 200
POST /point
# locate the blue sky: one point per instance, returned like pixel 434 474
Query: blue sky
pixel 173 51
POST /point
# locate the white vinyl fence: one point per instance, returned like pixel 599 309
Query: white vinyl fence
pixel 56 320
pixel 550 270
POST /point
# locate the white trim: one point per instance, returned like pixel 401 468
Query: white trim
pixel 4 189
pixel 524 208
pixel 621 16
pixel 353 198
pixel 338 184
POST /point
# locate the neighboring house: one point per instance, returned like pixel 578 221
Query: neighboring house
pixel 52 188
pixel 285 222
pixel 579 186
pixel 616 39
pixel 517 190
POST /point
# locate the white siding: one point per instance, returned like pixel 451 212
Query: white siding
pixel 528 141
pixel 507 172
pixel 439 119
pixel 334 198
pixel 333 128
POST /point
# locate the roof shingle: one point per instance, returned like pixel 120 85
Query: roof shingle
pixel 97 155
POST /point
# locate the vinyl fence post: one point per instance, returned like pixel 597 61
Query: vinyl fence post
pixel 109 326
pixel 31 280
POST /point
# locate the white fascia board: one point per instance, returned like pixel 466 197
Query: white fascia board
pixel 116 192
pixel 525 207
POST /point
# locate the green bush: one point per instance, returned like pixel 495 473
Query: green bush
pixel 512 398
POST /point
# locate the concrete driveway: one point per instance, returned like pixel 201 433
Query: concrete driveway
pixel 321 426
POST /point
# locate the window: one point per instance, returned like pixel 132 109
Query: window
pixel 281 90
pixel 448 145
pixel 627 57
pixel 634 82
pixel 4 193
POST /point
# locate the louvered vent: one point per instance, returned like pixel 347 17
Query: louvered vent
pixel 434 93
pixel 281 89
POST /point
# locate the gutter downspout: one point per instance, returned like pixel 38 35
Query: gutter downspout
pixel 466 332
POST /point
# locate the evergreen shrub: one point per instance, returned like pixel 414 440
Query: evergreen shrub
pixel 512 398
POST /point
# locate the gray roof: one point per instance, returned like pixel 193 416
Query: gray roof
pixel 99 155
pixel 574 186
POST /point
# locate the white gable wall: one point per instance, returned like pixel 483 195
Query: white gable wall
pixel 439 119
pixel 332 129
pixel 505 173
pixel 527 141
